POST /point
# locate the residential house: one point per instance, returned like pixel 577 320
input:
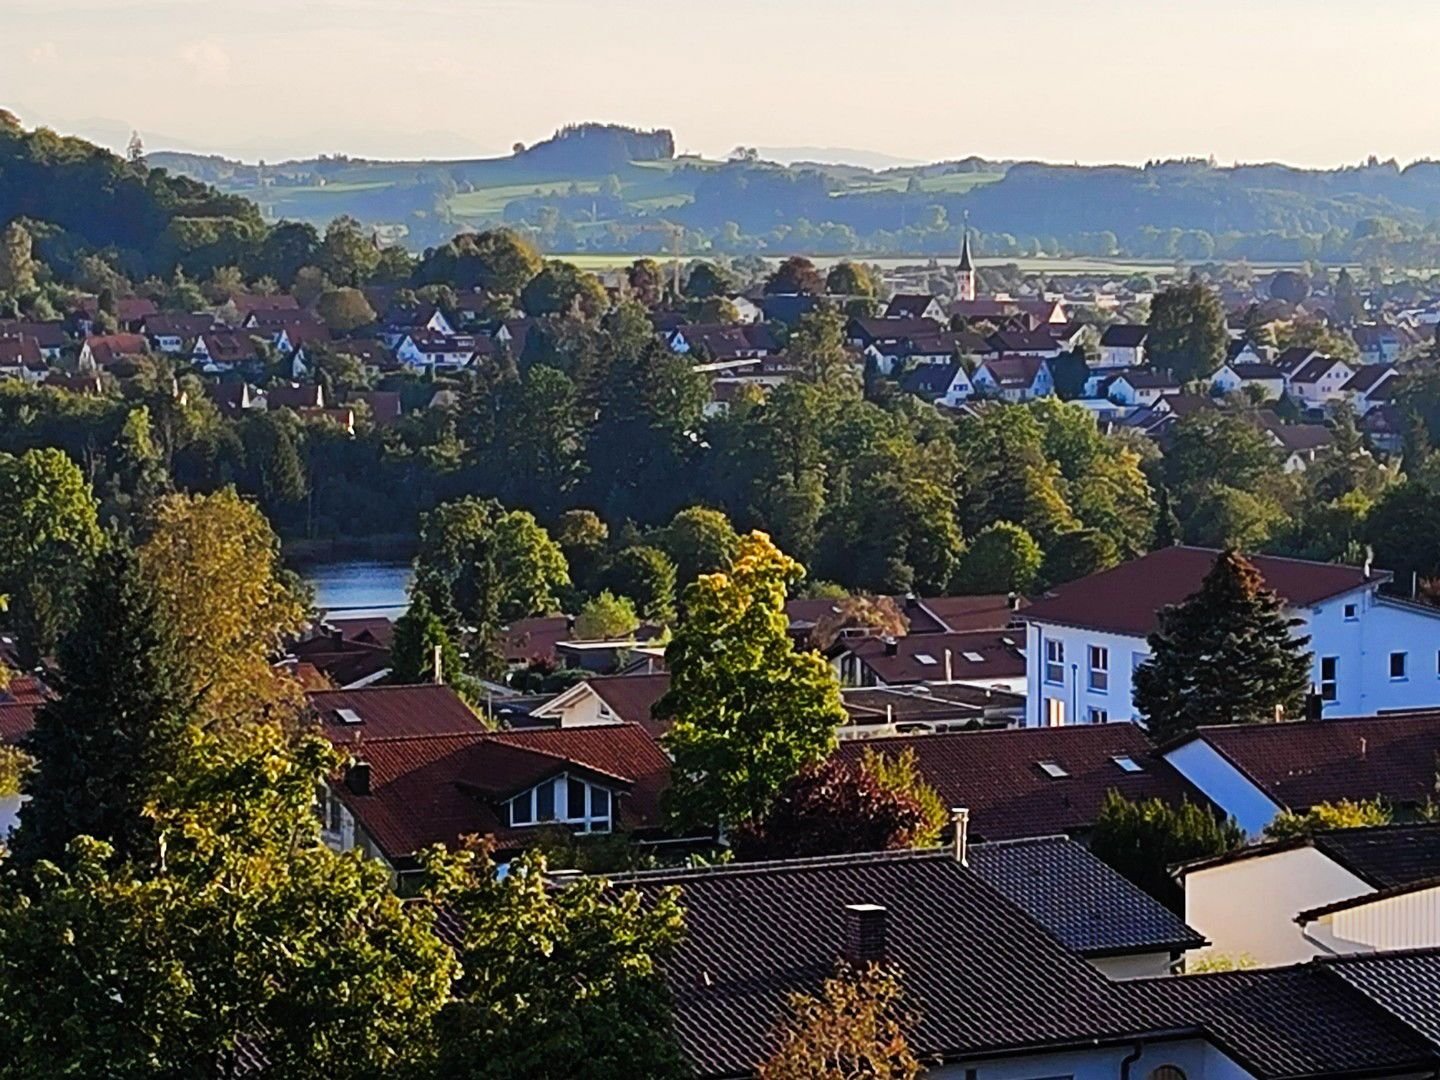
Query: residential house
pixel 235 398
pixel 130 312
pixel 1333 893
pixel 1123 346
pixel 985 658
pixel 1243 351
pixel 169 331
pixel 877 712
pixel 1384 426
pixel 1318 382
pixel 723 342
pixel 1378 344
pixel 49 337
pixel 1028 782
pixel 296 396
pixel 886 335
pixel 103 351
pixel 349 656
pixel 384 405
pixel 372 356
pixel 607 700
pixel 21 358
pixel 1265 381
pixel 940 384
pixel 431 349
pixel 916 306
pixel 1370 652
pixel 1013 378
pixel 1036 311
pixel 1370 387
pixel 1022 343
pixel 237 309
pixel 1255 772
pixel 216 352
pixel 1299 444
pixel 403 320
pixel 1140 388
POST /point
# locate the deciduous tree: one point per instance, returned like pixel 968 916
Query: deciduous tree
pixel 856 1026
pixel 1188 334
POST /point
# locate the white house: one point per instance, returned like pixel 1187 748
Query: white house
pixel 1370 653
pixel 1378 344
pixel 916 306
pixel 1238 376
pixel 1123 346
pixel 444 352
pixel 1338 892
pixel 940 384
pixel 1014 378
pixel 1140 388
pixel 1372 386
pixel 1319 381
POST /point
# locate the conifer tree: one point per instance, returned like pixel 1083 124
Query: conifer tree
pixel 117 731
pixel 1226 655
pixel 417 634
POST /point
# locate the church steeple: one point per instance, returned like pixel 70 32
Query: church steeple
pixel 965 272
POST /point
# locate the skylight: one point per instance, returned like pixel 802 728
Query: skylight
pixel 1053 769
pixel 1128 763
pixel 924 658
pixel 348 716
pixel 973 657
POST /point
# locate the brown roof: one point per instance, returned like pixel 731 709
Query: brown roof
pixel 1014 371
pixel 295 396
pixel 997 774
pixel 393 712
pixel 20 352
pixel 107 348
pixel 177 324
pixel 249 303
pixel 49 335
pixel 127 308
pixel 977 655
pixel 632 697
pixel 16 721
pixel 1304 763
pixel 1128 598
pixel 228 348
pixel 385 407
pixel 960 613
pixel 437 789
pixel 525 640
pixel 343 661
pixel 367 629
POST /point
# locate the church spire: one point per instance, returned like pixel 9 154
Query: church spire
pixel 965 272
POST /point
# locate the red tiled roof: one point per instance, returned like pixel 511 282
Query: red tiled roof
pixel 1308 762
pixel 394 712
pixel 1128 598
pixel 1014 371
pixel 525 640
pixel 921 657
pixel 961 613
pixel 997 774
pixel 16 721
pixel 632 697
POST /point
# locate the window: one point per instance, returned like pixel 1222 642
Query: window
pixel 1054 661
pixel 1099 668
pixel 925 658
pixel 545 801
pixel 1127 763
pixel 1352 612
pixel 1399 665
pixel 1053 769
pixel 973 657
pixel 1099 716
pixel 1054 712
pixel 574 799
pixel 1329 678
pixel 522 810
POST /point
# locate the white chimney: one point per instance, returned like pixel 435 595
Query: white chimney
pixel 960 818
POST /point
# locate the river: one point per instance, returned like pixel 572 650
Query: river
pixel 354 588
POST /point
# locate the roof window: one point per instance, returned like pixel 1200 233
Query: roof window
pixel 1053 769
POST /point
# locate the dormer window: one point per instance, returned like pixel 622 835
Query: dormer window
pixel 570 800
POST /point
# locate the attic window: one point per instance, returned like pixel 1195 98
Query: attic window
pixel 924 658
pixel 348 716
pixel 973 657
pixel 1053 769
pixel 1127 763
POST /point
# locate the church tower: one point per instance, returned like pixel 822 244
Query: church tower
pixel 965 272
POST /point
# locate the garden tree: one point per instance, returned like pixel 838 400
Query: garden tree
pixel 878 803
pixel 1317 335
pixel 1188 333
pixel 344 310
pixel 139 475
pixel 1215 447
pixel 583 537
pixel 214 565
pixel 1002 558
pixel 418 633
pixel 708 281
pixel 716 309
pixel 816 350
pixel 1142 840
pixel 17 261
pixel 530 566
pixel 1005 475
pixel 1348 467
pixel 499 261
pixel 1225 655
pixel 237 935
pixel 850 279
pixel 881 615
pixel 287 248
pixel 1404 527
pixel 748 709
pixel 1349 305
pixel 554 981
pixel 1290 286
pixel 562 289
pixel 1070 372
pixel 273 469
pixel 310 283
pixel 1322 817
pixel 796 274
pixel 183 294
pixel 1225 517
pixel 856 1026
pixel 49 533
pixel 347 255
pixel 118 728
pixel 646 576
pixel 1077 554
pixel 646 280
pixel 699 540
pixel 537 453
pixel 606 617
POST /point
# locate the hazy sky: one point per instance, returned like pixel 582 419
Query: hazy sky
pixel 1315 82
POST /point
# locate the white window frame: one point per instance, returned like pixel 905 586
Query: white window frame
pixel 1055 661
pixel 1099 674
pixel 585 820
pixel 1054 712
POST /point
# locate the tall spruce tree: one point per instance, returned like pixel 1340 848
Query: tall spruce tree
pixel 1226 655
pixel 118 728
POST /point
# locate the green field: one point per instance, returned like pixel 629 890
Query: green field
pixel 1033 265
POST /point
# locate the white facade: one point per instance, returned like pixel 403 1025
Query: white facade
pixel 1369 655
pixel 1121 356
pixel 1327 387
pixel 1409 920
pixel 1184 1059
pixel 1228 381
pixel 1041 386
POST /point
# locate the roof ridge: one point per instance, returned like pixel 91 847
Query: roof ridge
pixel 741 869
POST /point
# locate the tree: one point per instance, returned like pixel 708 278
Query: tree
pixel 1188 333
pixel 17 263
pixel 850 279
pixel 647 281
pixel 707 281
pixel 855 1027
pixel 530 565
pixel 214 564
pixel 556 981
pixel 505 261
pixel 347 255
pixel 606 617
pixel 1142 840
pixel 344 310
pixel 49 533
pixel 582 537
pixel 879 803
pixel 418 633
pixel 1077 554
pixel 1226 517
pixel 1003 558
pixel 796 274
pixel 646 576
pixel 561 289
pixel 700 541
pixel 816 350
pixel 1225 655
pixel 749 710
pixel 117 730
pixel 1323 817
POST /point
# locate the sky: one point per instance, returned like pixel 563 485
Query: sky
pixel 1311 83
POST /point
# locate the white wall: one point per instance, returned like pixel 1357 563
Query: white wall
pixel 1248 907
pixel 1197 1059
pixel 1074 690
pixel 1408 921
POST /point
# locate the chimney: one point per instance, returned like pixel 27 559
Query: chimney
pixel 864 934
pixel 949 667
pixel 437 661
pixel 960 818
pixel 1314 706
pixel 1013 600
pixel 891 647
pixel 357 777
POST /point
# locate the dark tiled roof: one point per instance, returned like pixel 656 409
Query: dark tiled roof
pixel 176 324
pixel 1387 855
pixel 1308 762
pixel 296 396
pixel 930 380
pixel 1088 907
pixel 19 351
pixel 889 329
pixel 1281 1022
pixel 390 712
pixel 1404 984
pixel 371 629
pixel 1124 336
pixel 997 775
pixel 1257 371
pixel 1128 599
pixel 49 335
pixel 229 348
pixel 1293 358
pixel 342 661
pixel 1314 370
pixel 1014 371
pixel 1021 341
pixel 977 655
pixel 632 697
pixel 1148 380
pixel 961 613
pixel 1368 377
pixel 980 973
pixel 911 305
